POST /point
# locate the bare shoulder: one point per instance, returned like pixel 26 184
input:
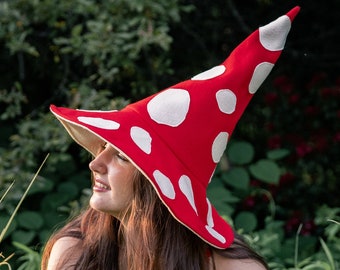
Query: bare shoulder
pixel 223 263
pixel 64 249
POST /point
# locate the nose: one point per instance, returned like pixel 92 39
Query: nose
pixel 98 164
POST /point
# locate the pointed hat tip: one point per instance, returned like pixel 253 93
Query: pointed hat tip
pixel 293 12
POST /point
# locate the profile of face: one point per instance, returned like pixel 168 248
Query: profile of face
pixel 112 181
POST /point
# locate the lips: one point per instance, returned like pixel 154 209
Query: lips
pixel 100 186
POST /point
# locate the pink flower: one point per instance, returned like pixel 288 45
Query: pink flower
pixel 303 149
pixel 269 126
pixel 329 92
pixel 287 179
pixel 249 202
pixel 284 84
pixel 318 77
pixel 320 140
pixel 326 92
pixel 308 227
pixel 312 110
pixel 293 99
pixel 271 98
pixel 274 142
pixel 293 222
pixel 280 80
pixel 337 81
pixel 336 137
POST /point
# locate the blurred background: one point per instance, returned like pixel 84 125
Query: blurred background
pixel 278 182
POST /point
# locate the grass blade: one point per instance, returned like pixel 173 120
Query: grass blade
pixel 328 253
pixel 296 255
pixel 8 189
pixel 21 200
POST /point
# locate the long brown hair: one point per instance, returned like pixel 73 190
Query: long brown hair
pixel 147 237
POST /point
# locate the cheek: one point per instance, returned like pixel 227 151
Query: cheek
pixel 127 186
pixel 121 182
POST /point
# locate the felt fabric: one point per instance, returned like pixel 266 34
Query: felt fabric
pixel 176 137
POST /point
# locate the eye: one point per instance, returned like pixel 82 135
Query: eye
pixel 101 148
pixel 122 157
pixel 103 145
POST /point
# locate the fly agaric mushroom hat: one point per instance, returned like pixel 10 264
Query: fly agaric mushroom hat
pixel 176 137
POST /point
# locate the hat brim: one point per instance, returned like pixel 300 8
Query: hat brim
pixel 202 218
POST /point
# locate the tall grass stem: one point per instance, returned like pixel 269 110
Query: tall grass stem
pixel 3 232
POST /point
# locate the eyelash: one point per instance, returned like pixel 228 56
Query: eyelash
pixel 118 154
pixel 103 145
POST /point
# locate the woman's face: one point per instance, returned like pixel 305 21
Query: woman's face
pixel 112 181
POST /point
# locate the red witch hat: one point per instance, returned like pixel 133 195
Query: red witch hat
pixel 177 136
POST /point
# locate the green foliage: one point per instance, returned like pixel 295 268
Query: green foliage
pixel 237 178
pixel 238 195
pixel 279 167
pixel 30 258
pixel 300 252
pixel 5 262
pixel 241 153
pixel 12 100
pixel 78 53
pixel 246 220
pixel 266 170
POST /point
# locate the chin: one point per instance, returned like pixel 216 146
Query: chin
pixel 98 203
pixel 101 205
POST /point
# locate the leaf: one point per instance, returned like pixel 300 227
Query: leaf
pixel 30 220
pixel 68 188
pixel 53 217
pixel 3 232
pixel 241 153
pixel 266 170
pixel 246 221
pixel 216 194
pixel 224 209
pixel 237 178
pixel 30 259
pixel 54 200
pixel 43 185
pixel 277 154
pixel 24 237
pixel 76 30
pixel 328 254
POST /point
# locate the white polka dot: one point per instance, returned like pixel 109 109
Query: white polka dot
pixel 99 122
pixel 219 145
pixel 210 220
pixel 260 74
pixel 186 187
pixel 141 138
pixel 226 101
pixel 215 234
pixel 164 184
pixel 273 35
pixel 209 74
pixel 169 107
pixel 98 111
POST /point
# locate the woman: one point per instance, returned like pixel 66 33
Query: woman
pixel 153 162
pixel 129 212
